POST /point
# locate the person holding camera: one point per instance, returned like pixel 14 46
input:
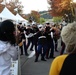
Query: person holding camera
pixel 8 48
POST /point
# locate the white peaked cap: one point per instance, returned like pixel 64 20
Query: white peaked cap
pixel 47 22
pixel 28 24
pixel 40 26
pixel 33 23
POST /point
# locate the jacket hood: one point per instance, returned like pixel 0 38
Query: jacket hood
pixel 4 46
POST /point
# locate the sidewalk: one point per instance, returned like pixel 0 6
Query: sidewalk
pixel 24 58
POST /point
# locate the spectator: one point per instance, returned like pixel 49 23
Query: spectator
pixel 66 64
pixel 7 46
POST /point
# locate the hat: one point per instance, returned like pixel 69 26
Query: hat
pixel 40 26
pixel 33 23
pixel 47 22
pixel 28 24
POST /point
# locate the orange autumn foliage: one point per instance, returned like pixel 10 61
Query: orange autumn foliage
pixel 58 7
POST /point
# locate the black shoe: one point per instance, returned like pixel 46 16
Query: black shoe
pixel 36 60
pixel 52 57
pixel 47 57
pixel 43 59
pixel 56 50
pixel 27 54
pixel 21 54
pixel 31 50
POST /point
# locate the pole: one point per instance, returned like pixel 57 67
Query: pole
pixel 73 9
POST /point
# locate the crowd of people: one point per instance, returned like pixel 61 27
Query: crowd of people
pixel 43 39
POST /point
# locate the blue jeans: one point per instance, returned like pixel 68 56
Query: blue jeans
pixel 42 49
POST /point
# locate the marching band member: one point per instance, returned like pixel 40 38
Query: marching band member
pixel 29 35
pixel 50 43
pixel 42 44
pixel 35 37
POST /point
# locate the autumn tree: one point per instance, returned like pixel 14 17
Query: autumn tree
pixel 15 4
pixel 11 5
pixel 34 15
pixel 60 8
pixel 54 7
pixel 1 6
pixel 1 1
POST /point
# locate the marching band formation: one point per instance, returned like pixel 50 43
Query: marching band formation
pixel 44 39
pixel 14 38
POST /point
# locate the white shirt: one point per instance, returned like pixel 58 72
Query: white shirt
pixel 7 51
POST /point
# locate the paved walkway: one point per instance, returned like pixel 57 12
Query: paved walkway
pixel 24 59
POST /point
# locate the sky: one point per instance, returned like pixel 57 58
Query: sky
pixel 38 5
pixel 74 0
